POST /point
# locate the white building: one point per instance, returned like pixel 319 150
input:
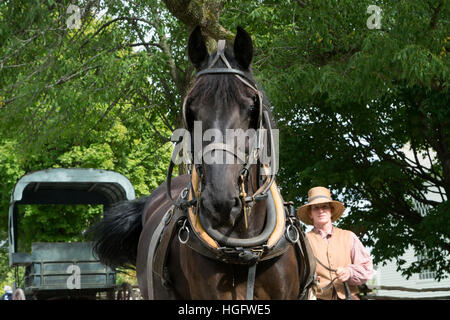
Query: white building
pixel 388 275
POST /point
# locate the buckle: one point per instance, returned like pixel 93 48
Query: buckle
pixel 183 233
pixel 292 233
pixel 242 255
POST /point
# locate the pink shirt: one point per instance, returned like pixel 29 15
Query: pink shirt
pixel 361 268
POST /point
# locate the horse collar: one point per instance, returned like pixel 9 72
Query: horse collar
pixel 214 240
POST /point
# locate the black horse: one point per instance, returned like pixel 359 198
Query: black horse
pixel 222 231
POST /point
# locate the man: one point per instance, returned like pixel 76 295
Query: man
pixel 340 256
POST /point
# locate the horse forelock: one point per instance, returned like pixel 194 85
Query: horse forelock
pixel 220 92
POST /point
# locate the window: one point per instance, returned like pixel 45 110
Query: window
pixel 421 208
pixel 424 275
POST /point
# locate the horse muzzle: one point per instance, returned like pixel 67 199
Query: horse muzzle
pixel 222 213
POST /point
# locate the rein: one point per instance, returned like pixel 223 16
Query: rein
pixel 348 295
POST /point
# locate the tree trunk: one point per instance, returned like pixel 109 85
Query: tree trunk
pixel 203 13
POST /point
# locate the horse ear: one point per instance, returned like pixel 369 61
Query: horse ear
pixel 197 48
pixel 243 48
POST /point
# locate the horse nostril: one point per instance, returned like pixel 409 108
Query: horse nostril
pixel 230 206
pixel 237 202
pixel 220 210
pixel 235 210
pixel 225 206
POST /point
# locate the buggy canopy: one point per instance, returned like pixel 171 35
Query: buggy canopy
pixel 67 187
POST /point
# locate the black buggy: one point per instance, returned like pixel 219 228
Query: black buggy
pixel 65 270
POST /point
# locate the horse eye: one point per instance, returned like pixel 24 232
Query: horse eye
pixel 189 118
pixel 253 111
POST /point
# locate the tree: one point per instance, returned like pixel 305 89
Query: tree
pixel 78 98
pixel 354 86
pixel 348 100
pixel 52 75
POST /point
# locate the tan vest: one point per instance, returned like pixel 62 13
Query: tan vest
pixel 334 254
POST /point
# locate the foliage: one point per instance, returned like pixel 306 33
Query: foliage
pixel 74 98
pixel 126 276
pixel 364 112
pixel 5 277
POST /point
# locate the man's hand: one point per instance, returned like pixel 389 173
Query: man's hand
pixel 343 274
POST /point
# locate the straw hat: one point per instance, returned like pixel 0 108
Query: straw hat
pixel 320 195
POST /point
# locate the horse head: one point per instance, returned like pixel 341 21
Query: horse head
pixel 225 102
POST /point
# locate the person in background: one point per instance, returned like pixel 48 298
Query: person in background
pixel 341 257
pixel 8 293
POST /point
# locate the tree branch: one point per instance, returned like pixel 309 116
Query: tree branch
pixel 107 111
pixel 201 13
pixel 414 170
pixel 138 44
pixel 111 22
pixel 301 3
pixel 71 76
pixel 163 138
pixel 398 208
pixel 434 172
pixel 170 60
pixel 151 104
pixel 434 17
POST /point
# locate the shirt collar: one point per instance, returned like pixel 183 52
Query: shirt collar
pixel 324 234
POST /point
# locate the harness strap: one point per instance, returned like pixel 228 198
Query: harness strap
pixel 169 176
pixel 151 252
pixel 162 250
pixel 304 254
pixel 240 154
pixel 220 54
pixel 251 281
pixel 309 272
pixel 237 72
pixel 348 295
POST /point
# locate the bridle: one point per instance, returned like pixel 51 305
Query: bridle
pixel 281 228
pixel 251 158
